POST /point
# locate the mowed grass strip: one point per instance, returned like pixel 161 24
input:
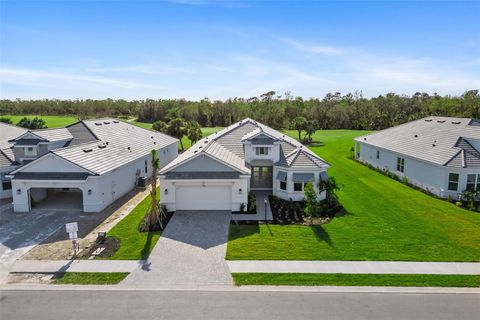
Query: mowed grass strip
pixel 134 245
pixel 337 279
pixel 90 278
pixel 385 220
pixel 50 121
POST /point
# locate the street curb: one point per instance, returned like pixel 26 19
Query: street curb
pixel 299 289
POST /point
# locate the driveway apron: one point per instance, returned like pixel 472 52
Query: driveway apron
pixel 191 251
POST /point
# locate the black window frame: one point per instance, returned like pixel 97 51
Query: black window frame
pixel 295 184
pixel 452 183
pixel 400 164
pixel 283 183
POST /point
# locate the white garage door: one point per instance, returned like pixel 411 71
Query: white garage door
pixel 203 198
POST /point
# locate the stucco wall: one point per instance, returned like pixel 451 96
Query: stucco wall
pixel 273 152
pixel 290 194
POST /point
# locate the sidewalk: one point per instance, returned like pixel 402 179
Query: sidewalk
pixel 53 266
pixel 359 267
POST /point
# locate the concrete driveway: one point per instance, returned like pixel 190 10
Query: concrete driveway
pixel 20 232
pixel 191 251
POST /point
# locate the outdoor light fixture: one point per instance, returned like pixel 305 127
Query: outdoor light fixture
pixel 89 192
pixel 240 191
pixel 165 191
pixel 19 191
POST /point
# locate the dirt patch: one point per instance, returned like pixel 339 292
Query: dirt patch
pixel 110 246
pixel 59 247
pixel 33 278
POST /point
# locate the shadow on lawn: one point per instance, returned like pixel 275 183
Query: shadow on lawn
pixel 243 230
pixel 321 234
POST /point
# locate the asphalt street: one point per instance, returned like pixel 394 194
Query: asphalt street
pixel 70 304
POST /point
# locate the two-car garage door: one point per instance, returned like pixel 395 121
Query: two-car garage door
pixel 203 197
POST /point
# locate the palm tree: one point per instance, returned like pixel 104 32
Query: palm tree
pixel 330 186
pixel 155 214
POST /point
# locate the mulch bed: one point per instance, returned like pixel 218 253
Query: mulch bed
pixel 110 244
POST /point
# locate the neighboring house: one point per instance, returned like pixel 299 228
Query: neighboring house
pixel 7 158
pixel 85 166
pixel 438 154
pixel 219 171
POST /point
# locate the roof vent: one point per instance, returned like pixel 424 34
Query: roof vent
pixel 116 121
pixel 428 120
pixel 434 143
pixel 441 121
pixel 206 141
pixel 151 137
pixel 98 123
pixel 87 150
pixel 128 148
pixel 416 136
pixel 200 147
pixel 195 151
pixel 106 142
pixel 456 122
pixel 102 146
pixel 106 122
pixel 154 142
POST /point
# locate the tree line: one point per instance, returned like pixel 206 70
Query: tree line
pixel 334 111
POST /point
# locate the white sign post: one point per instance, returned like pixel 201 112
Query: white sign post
pixel 72 229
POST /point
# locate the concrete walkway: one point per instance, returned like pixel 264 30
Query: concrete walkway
pixel 54 266
pixel 372 267
pixel 191 251
pixel 260 197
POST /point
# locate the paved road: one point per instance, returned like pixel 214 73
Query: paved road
pixel 191 251
pixel 52 305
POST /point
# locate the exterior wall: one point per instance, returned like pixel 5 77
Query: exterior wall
pixel 203 163
pixel 290 194
pixel 167 154
pixel 5 194
pixel 425 175
pixel 273 152
pixel 238 197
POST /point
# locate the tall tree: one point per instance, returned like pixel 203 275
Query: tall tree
pixel 193 131
pixel 299 124
pixel 160 126
pixel 176 128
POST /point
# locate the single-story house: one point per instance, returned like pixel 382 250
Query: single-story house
pixel 85 166
pixel 438 154
pixel 219 171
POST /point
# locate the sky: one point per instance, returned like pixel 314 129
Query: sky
pixel 220 49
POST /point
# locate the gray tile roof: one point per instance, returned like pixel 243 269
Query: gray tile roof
pixel 301 159
pixel 9 132
pixel 53 135
pixel 81 133
pixel 439 140
pixel 120 144
pixel 4 160
pixel 227 146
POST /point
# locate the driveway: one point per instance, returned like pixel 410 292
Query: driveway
pixel 20 232
pixel 191 251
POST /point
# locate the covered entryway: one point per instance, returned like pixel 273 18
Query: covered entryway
pixel 262 177
pixel 203 197
pixel 56 199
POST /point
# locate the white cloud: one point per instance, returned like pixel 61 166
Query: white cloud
pixel 315 49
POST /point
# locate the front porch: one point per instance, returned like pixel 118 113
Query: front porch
pixel 260 197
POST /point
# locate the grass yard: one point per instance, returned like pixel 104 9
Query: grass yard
pixel 385 220
pixel 51 121
pixel 134 245
pixel 90 278
pixel 337 279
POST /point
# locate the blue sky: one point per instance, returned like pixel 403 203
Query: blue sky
pixel 219 49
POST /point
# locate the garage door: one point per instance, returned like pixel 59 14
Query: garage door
pixel 203 198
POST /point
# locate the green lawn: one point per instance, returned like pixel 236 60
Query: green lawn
pixel 134 245
pixel 90 278
pixel 386 220
pixel 51 121
pixel 388 280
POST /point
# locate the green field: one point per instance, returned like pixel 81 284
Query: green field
pixel 51 121
pixel 338 279
pixel 134 245
pixel 385 220
pixel 90 278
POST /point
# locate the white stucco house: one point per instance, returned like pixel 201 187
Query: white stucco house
pixel 7 158
pixel 86 166
pixel 438 154
pixel 218 172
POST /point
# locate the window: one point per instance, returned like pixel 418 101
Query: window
pixel 473 182
pixel 283 185
pixel 298 186
pixel 6 183
pixel 378 154
pixel 400 164
pixel 261 151
pixel 453 181
pixel 146 166
pixel 30 151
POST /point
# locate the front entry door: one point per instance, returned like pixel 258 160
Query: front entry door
pixel 262 178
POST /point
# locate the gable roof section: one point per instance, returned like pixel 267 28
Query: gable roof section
pixel 81 133
pixel 211 149
pixel 431 139
pixel 300 159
